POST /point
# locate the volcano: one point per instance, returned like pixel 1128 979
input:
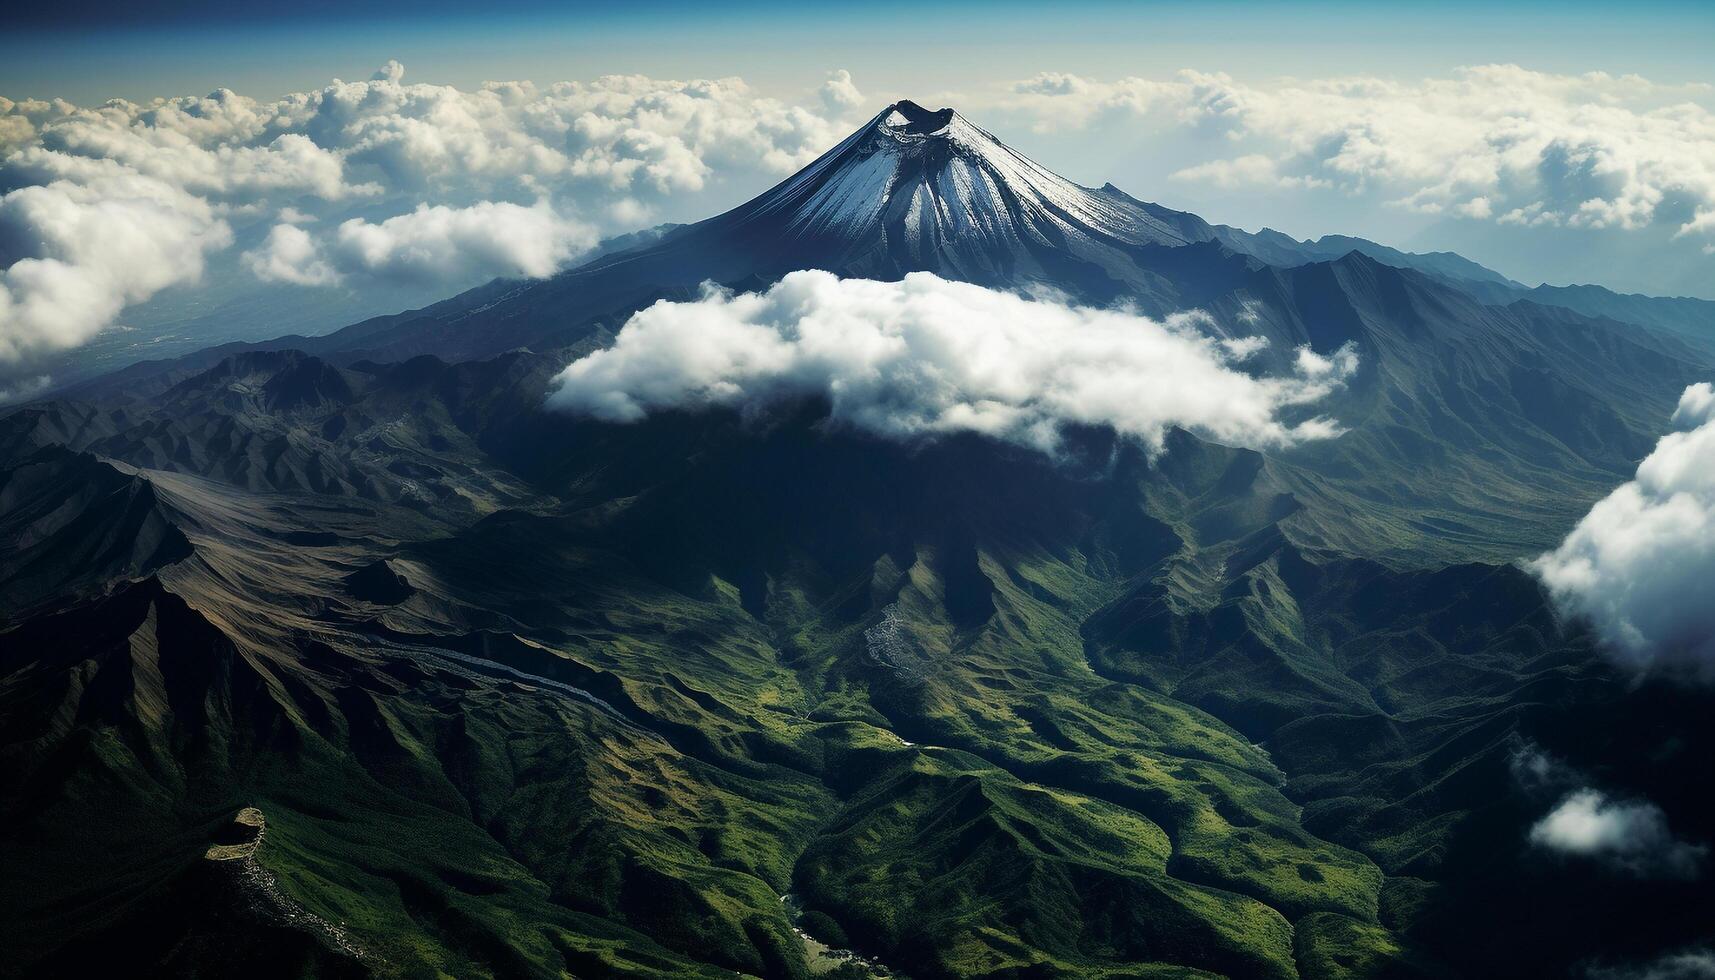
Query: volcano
pixel 915 190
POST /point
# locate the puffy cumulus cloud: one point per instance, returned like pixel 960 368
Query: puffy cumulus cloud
pixel 625 140
pixel 1477 207
pixel 19 121
pixel 106 205
pixel 840 94
pixel 289 254
pixel 617 135
pixel 77 251
pixel 1639 564
pixel 1628 835
pixel 1496 142
pixel 222 146
pixel 925 356
pixel 436 243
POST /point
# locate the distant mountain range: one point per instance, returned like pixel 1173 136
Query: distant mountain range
pixel 526 695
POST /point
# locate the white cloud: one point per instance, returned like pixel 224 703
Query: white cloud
pixel 840 94
pixel 1253 169
pixel 1478 207
pixel 1525 147
pixel 1060 99
pixel 87 247
pixel 1536 770
pixel 1244 348
pixel 438 243
pixel 289 254
pixel 618 138
pixel 110 204
pixel 1632 836
pixel 219 147
pixel 1625 835
pixel 926 356
pixel 1639 564
pixel 1054 83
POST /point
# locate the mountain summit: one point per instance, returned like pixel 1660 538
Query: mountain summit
pixel 915 189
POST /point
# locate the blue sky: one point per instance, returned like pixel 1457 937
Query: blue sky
pixel 87 52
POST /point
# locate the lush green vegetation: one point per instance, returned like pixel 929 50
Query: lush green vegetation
pixel 1023 745
pixel 522 696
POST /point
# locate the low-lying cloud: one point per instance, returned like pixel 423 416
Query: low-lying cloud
pixel 1627 835
pixel 1536 771
pixel 80 247
pixel 1638 567
pixel 926 357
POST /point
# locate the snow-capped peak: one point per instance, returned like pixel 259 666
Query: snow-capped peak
pixel 926 189
pixel 930 189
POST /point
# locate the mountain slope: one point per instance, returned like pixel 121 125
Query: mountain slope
pixel 70 524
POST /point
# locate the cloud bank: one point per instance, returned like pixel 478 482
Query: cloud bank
pixel 1638 567
pixel 926 357
pixel 427 245
pixel 1495 143
pixel 105 206
pixel 1630 836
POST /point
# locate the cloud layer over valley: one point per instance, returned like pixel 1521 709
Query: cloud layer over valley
pixel 926 357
